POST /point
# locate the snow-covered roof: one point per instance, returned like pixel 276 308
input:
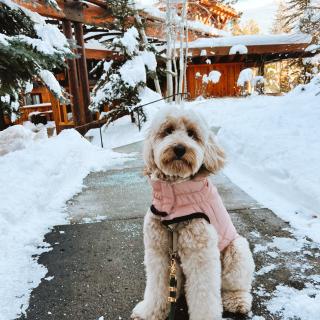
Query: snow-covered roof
pixel 251 40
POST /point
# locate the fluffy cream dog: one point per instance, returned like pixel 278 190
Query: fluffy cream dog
pixel 178 148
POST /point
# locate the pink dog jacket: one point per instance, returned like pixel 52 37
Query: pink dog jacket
pixel 173 201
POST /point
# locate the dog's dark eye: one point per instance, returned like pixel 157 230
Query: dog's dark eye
pixel 191 133
pixel 168 131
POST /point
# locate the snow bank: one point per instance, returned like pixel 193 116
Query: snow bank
pixel 273 151
pixel 35 183
pixel 18 137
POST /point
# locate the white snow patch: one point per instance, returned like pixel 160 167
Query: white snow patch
pixel 129 41
pixel 214 76
pixel 51 82
pixel 35 183
pixel 250 40
pixel 246 75
pixel 18 137
pixel 266 269
pixel 133 71
pixel 203 53
pixel 290 303
pixel 149 60
pixel 238 49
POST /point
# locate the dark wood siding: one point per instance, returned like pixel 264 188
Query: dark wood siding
pixel 227 86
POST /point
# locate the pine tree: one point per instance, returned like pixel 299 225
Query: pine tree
pixel 124 77
pixel 29 49
pixel 280 21
pixel 304 16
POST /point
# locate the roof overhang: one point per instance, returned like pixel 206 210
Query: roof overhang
pixel 266 48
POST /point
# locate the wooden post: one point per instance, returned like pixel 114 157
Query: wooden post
pixel 73 78
pixel 83 71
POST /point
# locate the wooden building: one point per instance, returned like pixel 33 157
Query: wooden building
pixel 221 54
pixel 209 48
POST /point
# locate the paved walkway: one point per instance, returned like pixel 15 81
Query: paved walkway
pixel 98 266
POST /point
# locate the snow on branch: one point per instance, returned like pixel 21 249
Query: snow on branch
pixel 51 82
pixel 129 41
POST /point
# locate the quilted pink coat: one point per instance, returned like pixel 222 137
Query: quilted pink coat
pixel 194 196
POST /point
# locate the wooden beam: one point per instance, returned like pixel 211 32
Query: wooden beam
pixel 83 70
pixel 73 79
pixel 96 54
pixel 70 10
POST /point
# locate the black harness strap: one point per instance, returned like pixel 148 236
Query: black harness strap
pixel 195 215
pixel 156 212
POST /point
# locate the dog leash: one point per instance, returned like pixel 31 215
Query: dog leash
pixel 173 281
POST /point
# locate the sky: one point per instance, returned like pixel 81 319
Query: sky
pixel 262 11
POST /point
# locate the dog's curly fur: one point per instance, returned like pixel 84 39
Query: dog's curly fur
pixel 213 281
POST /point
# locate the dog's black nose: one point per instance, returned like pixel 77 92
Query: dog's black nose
pixel 179 150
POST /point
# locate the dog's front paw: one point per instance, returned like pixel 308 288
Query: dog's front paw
pixel 237 301
pixel 140 311
pixel 150 310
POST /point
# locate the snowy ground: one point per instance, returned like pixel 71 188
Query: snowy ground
pixel 37 176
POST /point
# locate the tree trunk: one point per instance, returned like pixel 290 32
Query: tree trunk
pixel 169 51
pixel 186 53
pixel 182 58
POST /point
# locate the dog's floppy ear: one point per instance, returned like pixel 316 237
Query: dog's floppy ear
pixel 149 164
pixel 214 157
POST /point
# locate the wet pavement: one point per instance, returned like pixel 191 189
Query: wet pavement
pixel 95 267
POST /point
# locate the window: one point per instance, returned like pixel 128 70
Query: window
pixel 33 98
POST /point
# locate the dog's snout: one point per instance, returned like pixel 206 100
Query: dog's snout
pixel 179 151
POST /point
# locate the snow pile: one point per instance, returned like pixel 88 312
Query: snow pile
pixel 35 183
pixel 290 303
pixel 18 137
pixel 238 49
pixel 273 151
pixel 246 75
